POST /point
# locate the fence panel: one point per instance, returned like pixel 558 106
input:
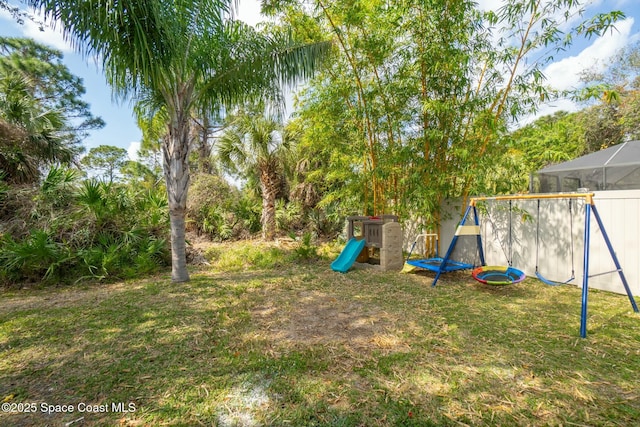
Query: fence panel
pixel 559 232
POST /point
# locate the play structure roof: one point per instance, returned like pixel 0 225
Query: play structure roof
pixel 614 168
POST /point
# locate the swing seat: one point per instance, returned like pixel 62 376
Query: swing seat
pixel 498 275
pixel 540 276
pixel 550 282
pixel 436 264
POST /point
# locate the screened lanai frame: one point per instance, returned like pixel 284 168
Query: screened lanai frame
pixel 614 168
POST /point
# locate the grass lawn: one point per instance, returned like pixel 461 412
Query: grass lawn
pixel 259 338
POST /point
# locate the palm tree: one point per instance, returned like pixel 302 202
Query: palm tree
pixel 253 143
pixel 185 55
pixel 31 135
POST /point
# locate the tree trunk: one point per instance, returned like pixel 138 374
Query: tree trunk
pixel 204 148
pixel 179 271
pixel 175 149
pixel 268 186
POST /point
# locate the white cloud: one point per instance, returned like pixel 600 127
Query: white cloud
pixel 132 150
pixel 565 74
pixel 5 15
pixel 490 4
pixel 249 12
pixel 49 36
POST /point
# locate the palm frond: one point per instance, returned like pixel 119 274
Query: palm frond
pixel 230 151
pixel 136 41
pixel 250 66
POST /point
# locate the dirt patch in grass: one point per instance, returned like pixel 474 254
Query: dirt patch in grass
pixel 315 317
pixel 49 298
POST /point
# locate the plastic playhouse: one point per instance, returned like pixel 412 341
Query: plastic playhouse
pixel 368 233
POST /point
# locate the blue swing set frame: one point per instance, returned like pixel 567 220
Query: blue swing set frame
pixel 445 265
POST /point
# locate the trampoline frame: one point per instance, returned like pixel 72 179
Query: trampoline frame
pixel 434 264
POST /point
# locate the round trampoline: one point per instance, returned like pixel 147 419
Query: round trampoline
pixel 498 275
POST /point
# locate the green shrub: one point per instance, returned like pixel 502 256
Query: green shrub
pixel 148 255
pixel 326 221
pixel 209 207
pixel 247 211
pixel 249 255
pixel 215 222
pixel 289 216
pixel 56 186
pixel 36 258
pixel 86 230
pixel 306 249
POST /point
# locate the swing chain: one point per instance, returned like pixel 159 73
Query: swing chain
pixel 548 282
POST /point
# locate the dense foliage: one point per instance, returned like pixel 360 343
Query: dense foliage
pixel 219 210
pixel 418 99
pixel 67 230
pixel 55 228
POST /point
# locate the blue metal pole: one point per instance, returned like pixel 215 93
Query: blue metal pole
pixel 413 247
pixel 452 246
pixel 479 237
pixel 615 259
pixel 585 271
pixel 438 273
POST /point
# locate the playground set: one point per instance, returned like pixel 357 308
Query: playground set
pixel 365 233
pixel 374 230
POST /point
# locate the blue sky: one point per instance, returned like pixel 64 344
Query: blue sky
pixel 121 129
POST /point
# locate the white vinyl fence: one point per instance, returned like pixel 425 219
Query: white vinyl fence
pixel 553 238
